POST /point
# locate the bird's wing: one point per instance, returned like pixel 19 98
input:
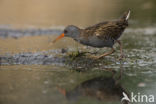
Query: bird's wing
pixel 93 29
pixel 105 30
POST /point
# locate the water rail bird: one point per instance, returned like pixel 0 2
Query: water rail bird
pixel 104 34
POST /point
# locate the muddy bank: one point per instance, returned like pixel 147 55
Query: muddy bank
pixel 80 62
pixel 41 58
pixel 139 48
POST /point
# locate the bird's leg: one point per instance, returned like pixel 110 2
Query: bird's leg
pixel 121 51
pixel 105 54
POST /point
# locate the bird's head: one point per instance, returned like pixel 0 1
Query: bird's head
pixel 69 31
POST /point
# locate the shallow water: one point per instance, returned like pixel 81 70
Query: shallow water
pixel 34 71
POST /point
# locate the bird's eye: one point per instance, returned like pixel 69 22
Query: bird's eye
pixel 65 31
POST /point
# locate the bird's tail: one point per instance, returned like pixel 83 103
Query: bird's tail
pixel 125 16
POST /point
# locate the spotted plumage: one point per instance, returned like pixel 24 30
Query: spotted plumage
pixel 103 34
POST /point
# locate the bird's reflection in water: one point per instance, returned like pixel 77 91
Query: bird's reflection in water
pixel 106 89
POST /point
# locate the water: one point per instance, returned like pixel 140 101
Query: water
pixel 34 71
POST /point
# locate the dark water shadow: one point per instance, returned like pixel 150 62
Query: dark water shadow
pixel 103 88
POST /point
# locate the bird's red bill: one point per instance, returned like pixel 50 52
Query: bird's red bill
pixel 61 36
